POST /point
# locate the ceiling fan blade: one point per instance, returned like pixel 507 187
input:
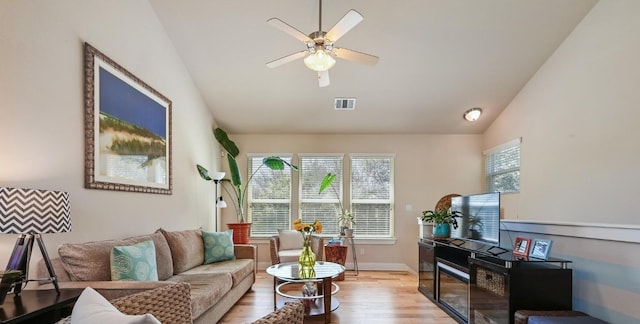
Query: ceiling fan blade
pixel 355 56
pixel 277 23
pixel 287 59
pixel 350 20
pixel 323 78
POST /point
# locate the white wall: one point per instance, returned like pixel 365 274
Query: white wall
pixel 427 167
pixel 580 158
pixel 42 120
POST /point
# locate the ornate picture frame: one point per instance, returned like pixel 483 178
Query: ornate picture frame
pixel 127 129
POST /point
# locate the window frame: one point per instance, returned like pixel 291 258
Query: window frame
pixel 391 200
pixel 302 200
pixel 251 201
pixel 491 154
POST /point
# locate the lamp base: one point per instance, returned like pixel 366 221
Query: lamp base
pixel 19 261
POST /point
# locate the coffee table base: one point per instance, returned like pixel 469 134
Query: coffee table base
pixel 317 305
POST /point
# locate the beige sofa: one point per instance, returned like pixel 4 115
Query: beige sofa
pixel 215 287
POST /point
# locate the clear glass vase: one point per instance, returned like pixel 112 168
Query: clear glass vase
pixel 307 261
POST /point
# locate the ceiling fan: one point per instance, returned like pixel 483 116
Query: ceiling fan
pixel 320 51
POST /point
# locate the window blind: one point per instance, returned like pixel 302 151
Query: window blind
pixel 502 168
pixel 324 207
pixel 268 197
pixel 372 195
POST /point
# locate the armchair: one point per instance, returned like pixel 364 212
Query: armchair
pixel 287 246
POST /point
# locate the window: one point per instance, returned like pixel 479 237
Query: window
pixel 372 195
pixel 502 168
pixel 324 207
pixel 268 197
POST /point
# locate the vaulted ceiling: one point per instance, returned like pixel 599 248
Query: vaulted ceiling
pixel 438 58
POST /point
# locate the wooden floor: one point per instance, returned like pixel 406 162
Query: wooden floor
pixel 371 297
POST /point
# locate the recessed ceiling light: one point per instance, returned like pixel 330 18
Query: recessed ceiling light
pixel 472 114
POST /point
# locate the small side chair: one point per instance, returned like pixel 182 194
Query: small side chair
pixel 287 246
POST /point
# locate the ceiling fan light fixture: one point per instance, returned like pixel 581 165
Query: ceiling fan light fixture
pixel 319 61
pixel 472 114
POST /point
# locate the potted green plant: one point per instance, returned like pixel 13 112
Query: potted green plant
pixel 239 190
pixel 345 219
pixel 441 219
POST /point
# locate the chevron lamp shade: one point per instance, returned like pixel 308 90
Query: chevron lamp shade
pixel 32 211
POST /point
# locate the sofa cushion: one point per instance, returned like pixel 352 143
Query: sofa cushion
pixel 206 289
pixel 91 307
pixel 91 261
pixel 218 246
pixel 289 255
pixel 238 269
pixel 187 248
pixel 134 262
pixel 290 240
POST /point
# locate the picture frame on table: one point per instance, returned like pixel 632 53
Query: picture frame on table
pixel 521 247
pixel 540 248
pixel 127 129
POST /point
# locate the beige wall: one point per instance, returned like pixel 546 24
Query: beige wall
pixel 578 121
pixel 427 167
pixel 577 118
pixel 42 121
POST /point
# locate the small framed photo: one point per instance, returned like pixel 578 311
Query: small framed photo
pixel 522 246
pixel 540 249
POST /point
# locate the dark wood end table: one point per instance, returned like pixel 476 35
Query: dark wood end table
pixel 37 306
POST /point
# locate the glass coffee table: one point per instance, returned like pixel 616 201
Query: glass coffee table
pixel 320 304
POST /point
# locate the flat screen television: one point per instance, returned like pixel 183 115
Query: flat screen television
pixel 478 218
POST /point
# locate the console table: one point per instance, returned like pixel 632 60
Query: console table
pixel 38 306
pixel 476 283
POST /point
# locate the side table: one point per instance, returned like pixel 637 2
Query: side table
pixel 37 306
pixel 336 254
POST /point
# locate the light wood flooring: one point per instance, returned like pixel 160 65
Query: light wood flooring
pixel 371 297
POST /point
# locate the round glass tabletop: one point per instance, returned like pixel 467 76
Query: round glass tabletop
pixel 291 270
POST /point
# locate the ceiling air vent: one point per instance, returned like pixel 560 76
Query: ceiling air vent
pixel 345 104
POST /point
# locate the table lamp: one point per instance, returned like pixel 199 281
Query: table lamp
pixel 30 213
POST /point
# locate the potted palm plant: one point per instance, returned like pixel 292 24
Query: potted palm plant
pixel 441 219
pixel 238 189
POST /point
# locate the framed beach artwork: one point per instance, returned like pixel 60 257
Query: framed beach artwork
pixel 127 129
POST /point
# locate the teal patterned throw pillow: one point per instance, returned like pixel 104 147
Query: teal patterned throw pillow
pixel 218 246
pixel 134 263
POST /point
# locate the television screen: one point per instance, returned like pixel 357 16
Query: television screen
pixel 479 218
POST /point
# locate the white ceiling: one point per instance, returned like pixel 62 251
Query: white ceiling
pixel 438 58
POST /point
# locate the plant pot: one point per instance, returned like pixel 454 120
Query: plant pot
pixel 240 232
pixel 441 230
pixel 348 232
pixel 426 230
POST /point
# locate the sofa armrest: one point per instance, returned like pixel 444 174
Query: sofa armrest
pixel 169 304
pixel 245 251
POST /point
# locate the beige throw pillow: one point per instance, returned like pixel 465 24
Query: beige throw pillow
pixel 290 239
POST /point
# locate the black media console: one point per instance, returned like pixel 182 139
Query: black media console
pixel 476 283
